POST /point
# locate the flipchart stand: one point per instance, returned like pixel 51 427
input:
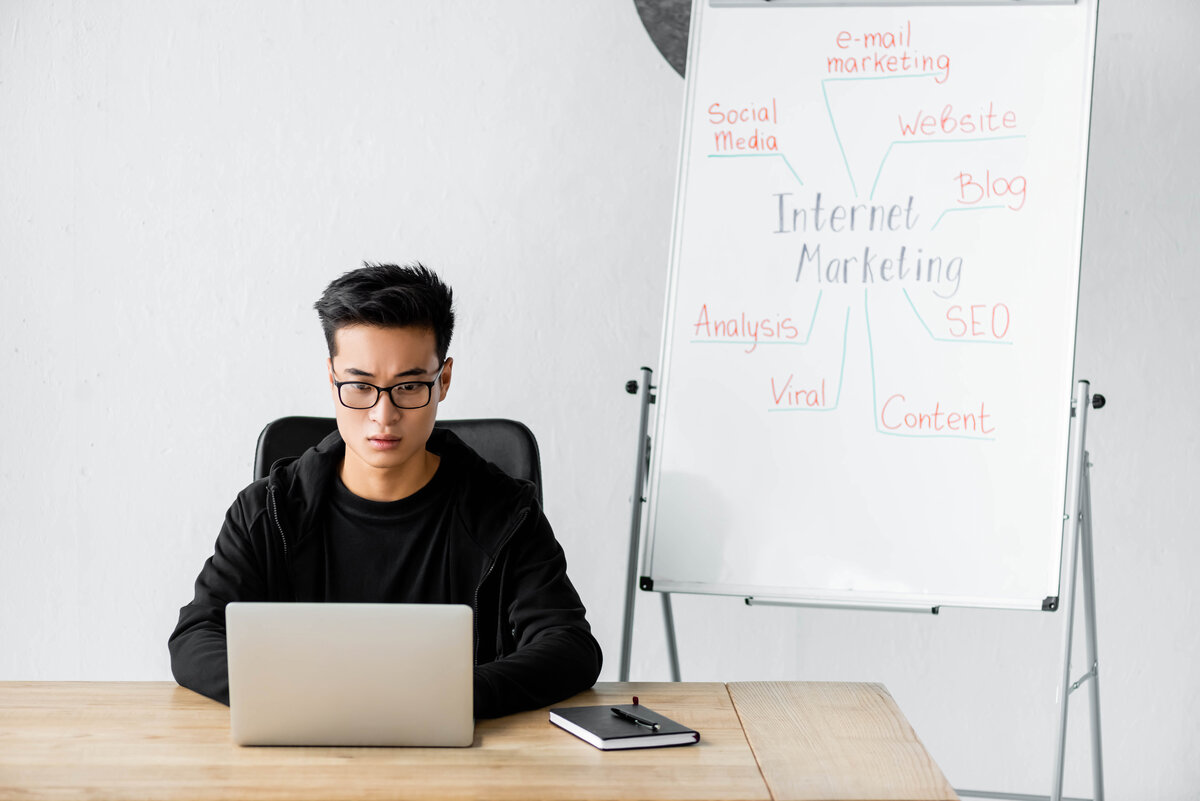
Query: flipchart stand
pixel 1077 542
pixel 1077 545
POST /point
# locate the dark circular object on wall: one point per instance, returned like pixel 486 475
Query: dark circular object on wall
pixel 667 23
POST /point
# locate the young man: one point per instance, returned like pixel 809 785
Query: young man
pixel 388 510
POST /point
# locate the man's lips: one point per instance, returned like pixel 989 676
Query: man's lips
pixel 383 442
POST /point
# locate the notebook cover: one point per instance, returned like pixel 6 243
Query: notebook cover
pixel 603 729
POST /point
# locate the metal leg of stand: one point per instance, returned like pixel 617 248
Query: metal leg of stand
pixel 1089 609
pixel 1079 541
pixel 1064 688
pixel 669 623
pixel 641 468
pixel 641 464
pixel 631 571
pixel 1074 515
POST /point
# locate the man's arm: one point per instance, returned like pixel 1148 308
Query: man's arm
pixel 555 653
pixel 233 573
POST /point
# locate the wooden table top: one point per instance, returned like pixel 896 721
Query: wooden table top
pixel 759 740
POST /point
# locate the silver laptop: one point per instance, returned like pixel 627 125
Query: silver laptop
pixel 350 674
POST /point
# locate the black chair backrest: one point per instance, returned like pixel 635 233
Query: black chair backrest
pixel 505 443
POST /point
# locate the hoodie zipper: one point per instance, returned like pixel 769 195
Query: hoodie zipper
pixel 491 566
pixel 275 515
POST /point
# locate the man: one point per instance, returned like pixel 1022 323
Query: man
pixel 386 509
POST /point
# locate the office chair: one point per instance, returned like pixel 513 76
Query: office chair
pixel 507 444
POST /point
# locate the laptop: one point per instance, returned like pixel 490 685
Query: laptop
pixel 350 674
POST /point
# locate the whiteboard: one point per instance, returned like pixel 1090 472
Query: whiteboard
pixel 866 374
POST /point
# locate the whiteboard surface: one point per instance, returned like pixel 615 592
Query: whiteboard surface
pixel 869 338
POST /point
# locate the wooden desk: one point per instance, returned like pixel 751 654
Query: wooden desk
pixel 769 740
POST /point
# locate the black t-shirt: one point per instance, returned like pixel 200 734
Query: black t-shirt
pixel 392 551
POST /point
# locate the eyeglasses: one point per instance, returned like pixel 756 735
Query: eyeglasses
pixel 405 395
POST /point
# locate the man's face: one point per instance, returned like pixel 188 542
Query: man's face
pixel 385 437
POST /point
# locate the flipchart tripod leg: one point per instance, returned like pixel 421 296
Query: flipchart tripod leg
pixel 641 468
pixel 1079 542
pixel 1089 619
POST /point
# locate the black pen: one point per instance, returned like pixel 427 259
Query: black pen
pixel 621 713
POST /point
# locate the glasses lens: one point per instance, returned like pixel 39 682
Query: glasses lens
pixel 411 396
pixel 358 396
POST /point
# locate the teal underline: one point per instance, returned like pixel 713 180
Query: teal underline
pixel 743 342
pixel 895 142
pixel 953 340
pixel 947 211
pixel 934 436
pixel 881 77
pixel 791 169
pixel 842 368
pixel 813 321
pixel 838 137
pixel 871 356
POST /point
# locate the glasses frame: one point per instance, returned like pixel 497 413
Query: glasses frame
pixel 379 391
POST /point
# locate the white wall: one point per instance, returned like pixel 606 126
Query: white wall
pixel 178 182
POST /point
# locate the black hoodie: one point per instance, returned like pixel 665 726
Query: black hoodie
pixel 533 646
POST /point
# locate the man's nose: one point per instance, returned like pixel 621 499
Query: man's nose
pixel 384 410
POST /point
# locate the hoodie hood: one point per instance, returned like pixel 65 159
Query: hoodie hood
pixel 490 502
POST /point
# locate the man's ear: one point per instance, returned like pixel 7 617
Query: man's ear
pixel 444 380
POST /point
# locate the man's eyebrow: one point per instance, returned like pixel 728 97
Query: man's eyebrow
pixel 354 371
pixel 414 371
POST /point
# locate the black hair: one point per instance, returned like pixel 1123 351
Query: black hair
pixel 388 296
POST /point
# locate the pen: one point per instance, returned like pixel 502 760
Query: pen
pixel 621 713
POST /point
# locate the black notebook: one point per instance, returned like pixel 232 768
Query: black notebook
pixel 630 726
